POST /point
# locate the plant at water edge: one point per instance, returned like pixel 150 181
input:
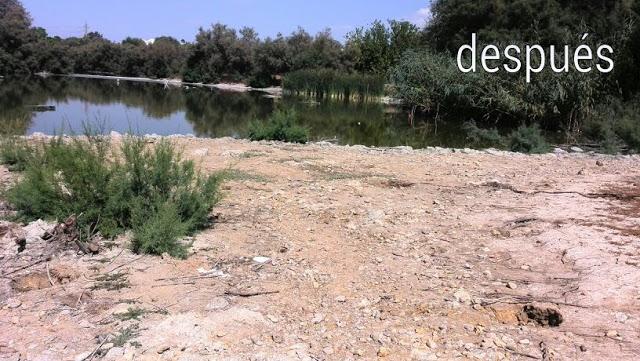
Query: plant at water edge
pixel 14 153
pixel 281 126
pixel 528 139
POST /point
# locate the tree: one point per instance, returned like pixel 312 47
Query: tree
pixel 164 58
pixel 544 22
pixel 377 48
pixel 219 54
pixel 15 34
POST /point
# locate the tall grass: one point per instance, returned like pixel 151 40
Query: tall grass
pixel 328 83
pixel 150 190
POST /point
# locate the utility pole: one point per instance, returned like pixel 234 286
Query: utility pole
pixel 86 29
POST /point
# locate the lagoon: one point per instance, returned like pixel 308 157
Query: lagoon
pixel 149 108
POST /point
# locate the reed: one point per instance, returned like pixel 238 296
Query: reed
pixel 328 83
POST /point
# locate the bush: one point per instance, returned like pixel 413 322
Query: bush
pixel 149 190
pixel 482 138
pixel 528 139
pixel 615 126
pixel 281 126
pixel 14 153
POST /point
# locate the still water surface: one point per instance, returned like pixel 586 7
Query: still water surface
pixel 146 108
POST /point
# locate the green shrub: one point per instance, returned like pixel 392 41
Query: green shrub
pixel 528 139
pixel 281 126
pixel 482 138
pixel 14 153
pixel 147 189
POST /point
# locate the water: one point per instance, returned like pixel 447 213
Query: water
pixel 146 108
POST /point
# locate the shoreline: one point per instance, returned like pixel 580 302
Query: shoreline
pixel 555 151
pixel 236 87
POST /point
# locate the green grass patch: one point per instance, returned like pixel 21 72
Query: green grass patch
pixel 111 282
pixel 148 189
pixel 281 126
pixel 241 176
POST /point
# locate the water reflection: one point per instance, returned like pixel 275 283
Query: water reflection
pixel 149 108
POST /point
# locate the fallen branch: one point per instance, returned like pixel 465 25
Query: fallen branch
pixel 27 266
pixel 49 275
pixel 499 185
pixel 249 293
pixel 90 356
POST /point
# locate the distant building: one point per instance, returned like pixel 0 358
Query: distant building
pixel 150 41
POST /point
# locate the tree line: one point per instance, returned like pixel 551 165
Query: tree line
pixel 219 53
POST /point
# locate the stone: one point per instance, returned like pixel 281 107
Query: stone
pixel 341 299
pixel 82 356
pixel 462 296
pixel 261 260
pixel 217 303
pixel 114 353
pixel 423 355
pixel 317 318
pixel 512 285
pixel 384 352
pixel 203 152
pixel 621 317
pixel 612 333
pixel 576 150
pixel 14 303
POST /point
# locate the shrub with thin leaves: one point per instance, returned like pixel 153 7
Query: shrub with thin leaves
pixel 148 189
pixel 14 153
pixel 528 139
pixel 281 126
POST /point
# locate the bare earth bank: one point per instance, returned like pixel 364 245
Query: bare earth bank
pixel 392 254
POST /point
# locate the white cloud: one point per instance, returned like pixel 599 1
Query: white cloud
pixel 422 16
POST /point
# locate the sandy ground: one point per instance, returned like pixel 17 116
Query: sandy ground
pixel 368 254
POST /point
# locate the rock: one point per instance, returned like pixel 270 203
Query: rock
pixel 317 318
pixel 384 352
pixel 14 303
pixel 612 333
pixel 512 285
pixel 217 303
pixel 599 163
pixel 423 355
pixel 273 318
pixel 261 260
pixel 364 303
pixel 115 135
pixel 82 356
pixel 525 342
pixel 621 317
pixel 203 152
pixel 115 353
pixel 462 296
pixel 576 150
pixel 327 350
pixel 341 299
pixel 93 247
pixel 559 151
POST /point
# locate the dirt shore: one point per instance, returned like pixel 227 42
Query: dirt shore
pixel 325 252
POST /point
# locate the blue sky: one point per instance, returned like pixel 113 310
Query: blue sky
pixel 117 19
